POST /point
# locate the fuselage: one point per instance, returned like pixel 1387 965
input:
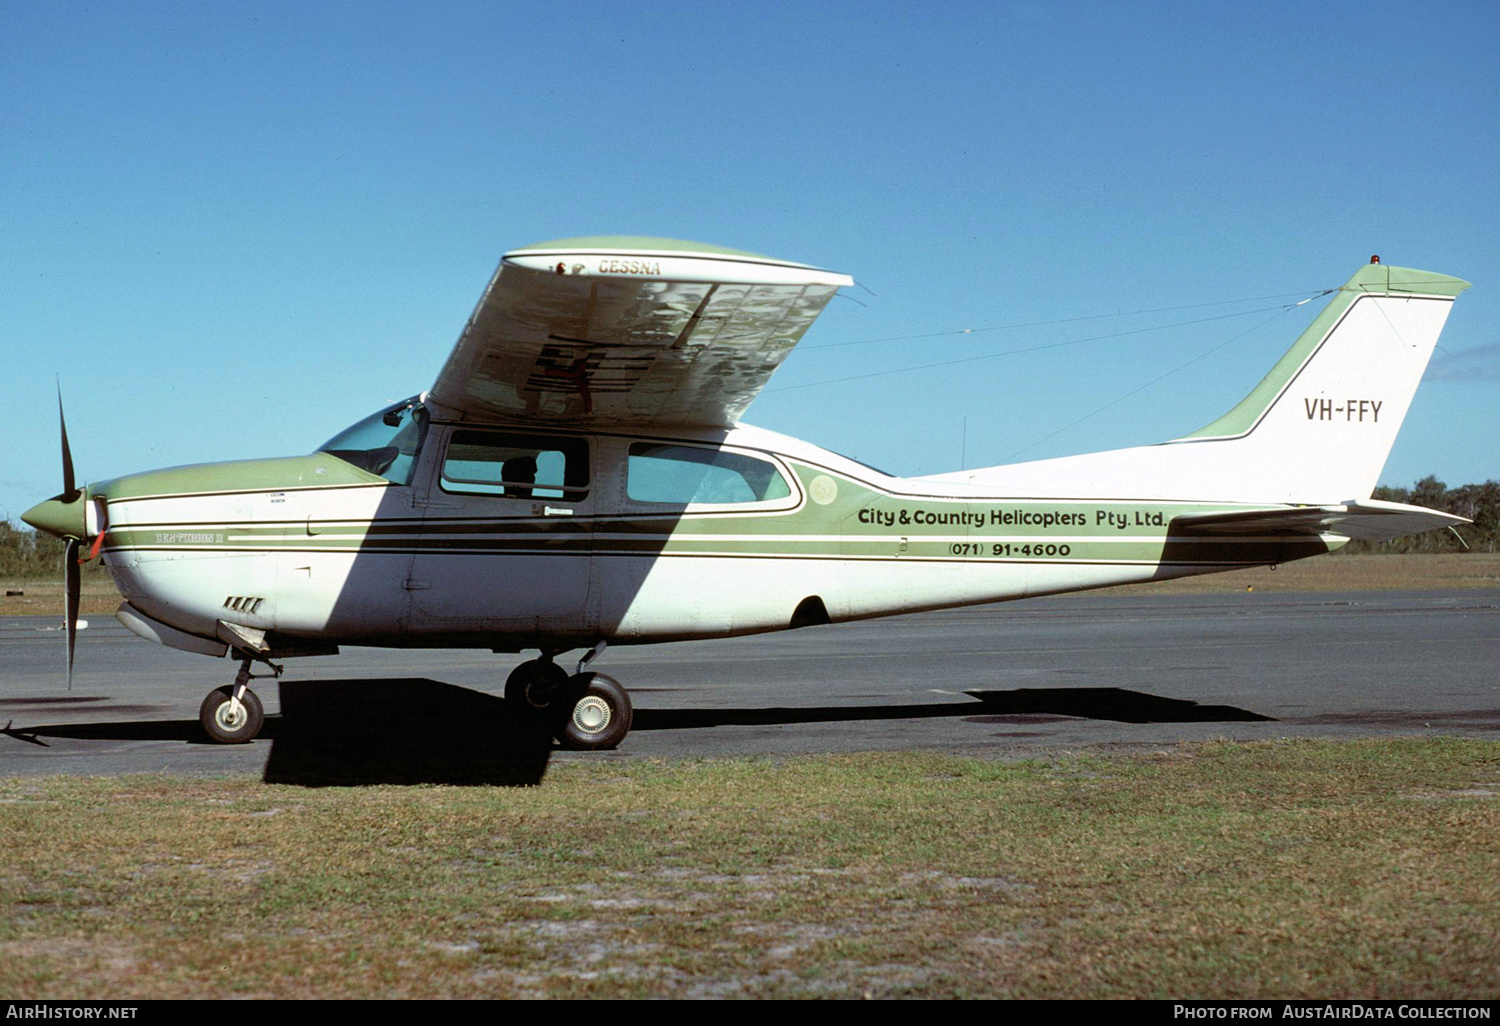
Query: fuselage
pixel 510 538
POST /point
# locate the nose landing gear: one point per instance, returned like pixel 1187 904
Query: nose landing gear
pixel 233 715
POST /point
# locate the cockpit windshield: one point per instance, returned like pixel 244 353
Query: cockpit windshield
pixel 384 443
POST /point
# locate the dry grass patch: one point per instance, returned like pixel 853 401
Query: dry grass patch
pixel 1362 572
pixel 98 596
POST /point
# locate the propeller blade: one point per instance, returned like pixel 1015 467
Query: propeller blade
pixel 70 488
pixel 73 585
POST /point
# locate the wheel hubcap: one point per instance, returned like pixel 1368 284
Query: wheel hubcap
pixel 591 715
pixel 231 715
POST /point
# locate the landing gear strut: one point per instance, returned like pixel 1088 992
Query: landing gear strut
pixel 588 711
pixel 233 715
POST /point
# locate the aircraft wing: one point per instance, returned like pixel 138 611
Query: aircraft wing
pixel 619 331
pixel 1369 519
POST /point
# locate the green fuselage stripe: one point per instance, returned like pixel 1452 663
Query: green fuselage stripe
pixel 858 522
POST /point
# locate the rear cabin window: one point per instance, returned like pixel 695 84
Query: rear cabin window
pixel 682 474
pixel 516 466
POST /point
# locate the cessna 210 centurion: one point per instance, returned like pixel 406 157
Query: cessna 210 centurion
pixel 578 477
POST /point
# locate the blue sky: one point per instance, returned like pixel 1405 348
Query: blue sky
pixel 233 229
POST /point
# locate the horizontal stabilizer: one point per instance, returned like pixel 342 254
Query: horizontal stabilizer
pixel 1369 520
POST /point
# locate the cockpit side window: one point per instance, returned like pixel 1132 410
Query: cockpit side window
pixel 516 466
pixel 384 443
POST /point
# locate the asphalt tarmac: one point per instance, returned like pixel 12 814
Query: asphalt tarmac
pixel 1016 679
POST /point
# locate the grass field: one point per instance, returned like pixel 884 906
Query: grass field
pixel 1327 573
pixel 1366 572
pixel 1291 869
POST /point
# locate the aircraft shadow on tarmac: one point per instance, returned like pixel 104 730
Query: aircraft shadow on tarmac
pixel 419 731
pixel 350 732
pixel 1117 704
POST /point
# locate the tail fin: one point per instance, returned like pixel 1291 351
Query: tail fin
pixel 1318 427
pixel 1327 414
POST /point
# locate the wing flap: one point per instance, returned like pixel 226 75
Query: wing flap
pixel 635 332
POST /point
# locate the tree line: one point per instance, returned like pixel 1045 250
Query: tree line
pixel 1478 502
pixel 27 553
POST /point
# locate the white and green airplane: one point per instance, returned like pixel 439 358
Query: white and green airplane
pixel 578 477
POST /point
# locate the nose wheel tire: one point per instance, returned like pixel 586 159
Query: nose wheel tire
pixel 231 721
pixel 599 715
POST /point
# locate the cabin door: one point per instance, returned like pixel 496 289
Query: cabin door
pixel 506 538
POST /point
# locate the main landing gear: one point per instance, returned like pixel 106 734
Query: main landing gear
pixel 233 715
pixel 585 711
pixel 589 711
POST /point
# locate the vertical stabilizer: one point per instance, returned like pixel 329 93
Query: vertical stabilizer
pixel 1330 409
pixel 1318 427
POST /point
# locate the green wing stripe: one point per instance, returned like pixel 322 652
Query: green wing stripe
pixel 641 243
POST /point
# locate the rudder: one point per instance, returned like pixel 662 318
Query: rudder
pixel 1323 421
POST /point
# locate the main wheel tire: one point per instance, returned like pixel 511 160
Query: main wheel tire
pixel 599 716
pixel 231 722
pixel 535 685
